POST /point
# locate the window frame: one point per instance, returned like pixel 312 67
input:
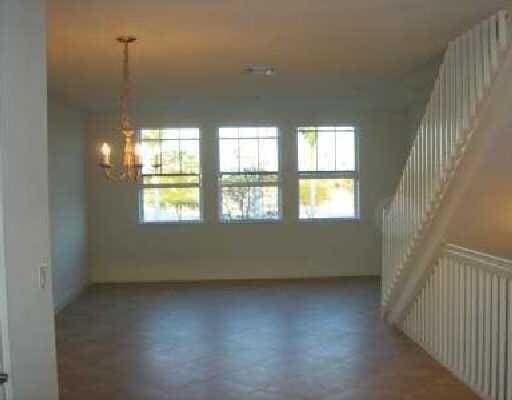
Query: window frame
pixel 355 175
pixel 141 186
pixel 278 184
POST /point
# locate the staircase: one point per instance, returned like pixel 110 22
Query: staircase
pixel 454 302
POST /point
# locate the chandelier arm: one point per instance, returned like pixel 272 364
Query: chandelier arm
pixel 125 175
pixel 115 176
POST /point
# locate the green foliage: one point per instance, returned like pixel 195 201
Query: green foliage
pixel 176 198
pixel 314 192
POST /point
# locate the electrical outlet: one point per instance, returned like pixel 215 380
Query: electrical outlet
pixel 43 276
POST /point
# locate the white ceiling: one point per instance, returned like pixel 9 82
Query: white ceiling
pixel 194 48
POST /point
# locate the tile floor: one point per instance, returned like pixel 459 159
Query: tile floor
pixel 272 340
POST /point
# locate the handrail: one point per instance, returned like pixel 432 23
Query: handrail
pixel 493 264
pixel 465 77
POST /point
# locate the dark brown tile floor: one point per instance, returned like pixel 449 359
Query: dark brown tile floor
pixel 318 339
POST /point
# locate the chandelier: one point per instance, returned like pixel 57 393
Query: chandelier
pixel 133 155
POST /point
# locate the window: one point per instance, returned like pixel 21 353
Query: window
pixel 171 192
pixel 249 174
pixel 328 180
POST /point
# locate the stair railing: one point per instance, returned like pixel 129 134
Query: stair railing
pixel 462 316
pixel 466 75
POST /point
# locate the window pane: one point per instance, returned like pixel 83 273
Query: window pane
pixel 248 132
pixel 248 149
pixel 229 155
pixel 176 149
pixel 248 155
pixel 345 151
pixel 170 157
pixel 326 198
pixel 326 151
pixel 150 134
pixel 170 133
pixel 268 152
pixel 150 148
pixel 268 132
pixel 307 146
pixel 171 204
pixel 189 156
pixel 250 203
pixel 228 133
pixel 189 133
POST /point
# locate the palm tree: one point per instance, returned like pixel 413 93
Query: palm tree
pixel 313 193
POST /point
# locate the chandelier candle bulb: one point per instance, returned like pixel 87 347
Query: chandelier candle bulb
pixel 105 154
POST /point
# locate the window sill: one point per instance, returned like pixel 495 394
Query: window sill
pixel 251 221
pixel 200 222
pixel 328 220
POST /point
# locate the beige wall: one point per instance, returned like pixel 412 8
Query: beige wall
pixel 26 309
pixel 121 249
pixel 66 149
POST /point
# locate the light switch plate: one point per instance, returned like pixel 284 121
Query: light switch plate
pixel 43 276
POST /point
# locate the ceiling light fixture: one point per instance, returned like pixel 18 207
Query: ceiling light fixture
pixel 265 70
pixel 133 152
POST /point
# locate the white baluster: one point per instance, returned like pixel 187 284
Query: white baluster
pixel 467 323
pixel 458 91
pixel 488 333
pixel 509 333
pixel 481 329
pixel 474 326
pixel 495 337
pixel 486 53
pixel 471 78
pixel 502 323
pixel 479 64
pixel 503 30
pixel 494 42
pixel 461 318
pixel 465 85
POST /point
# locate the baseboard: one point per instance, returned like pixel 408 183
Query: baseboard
pixel 69 298
pixel 233 280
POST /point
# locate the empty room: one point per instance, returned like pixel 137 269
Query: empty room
pixel 234 200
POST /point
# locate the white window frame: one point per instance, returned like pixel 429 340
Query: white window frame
pixel 354 175
pixel 199 185
pixel 278 184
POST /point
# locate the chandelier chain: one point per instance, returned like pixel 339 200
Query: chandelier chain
pixel 126 92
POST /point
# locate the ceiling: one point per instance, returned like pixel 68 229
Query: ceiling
pixel 198 48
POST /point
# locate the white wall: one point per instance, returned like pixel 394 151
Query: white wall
pixel 120 249
pixel 24 201
pixel 66 149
